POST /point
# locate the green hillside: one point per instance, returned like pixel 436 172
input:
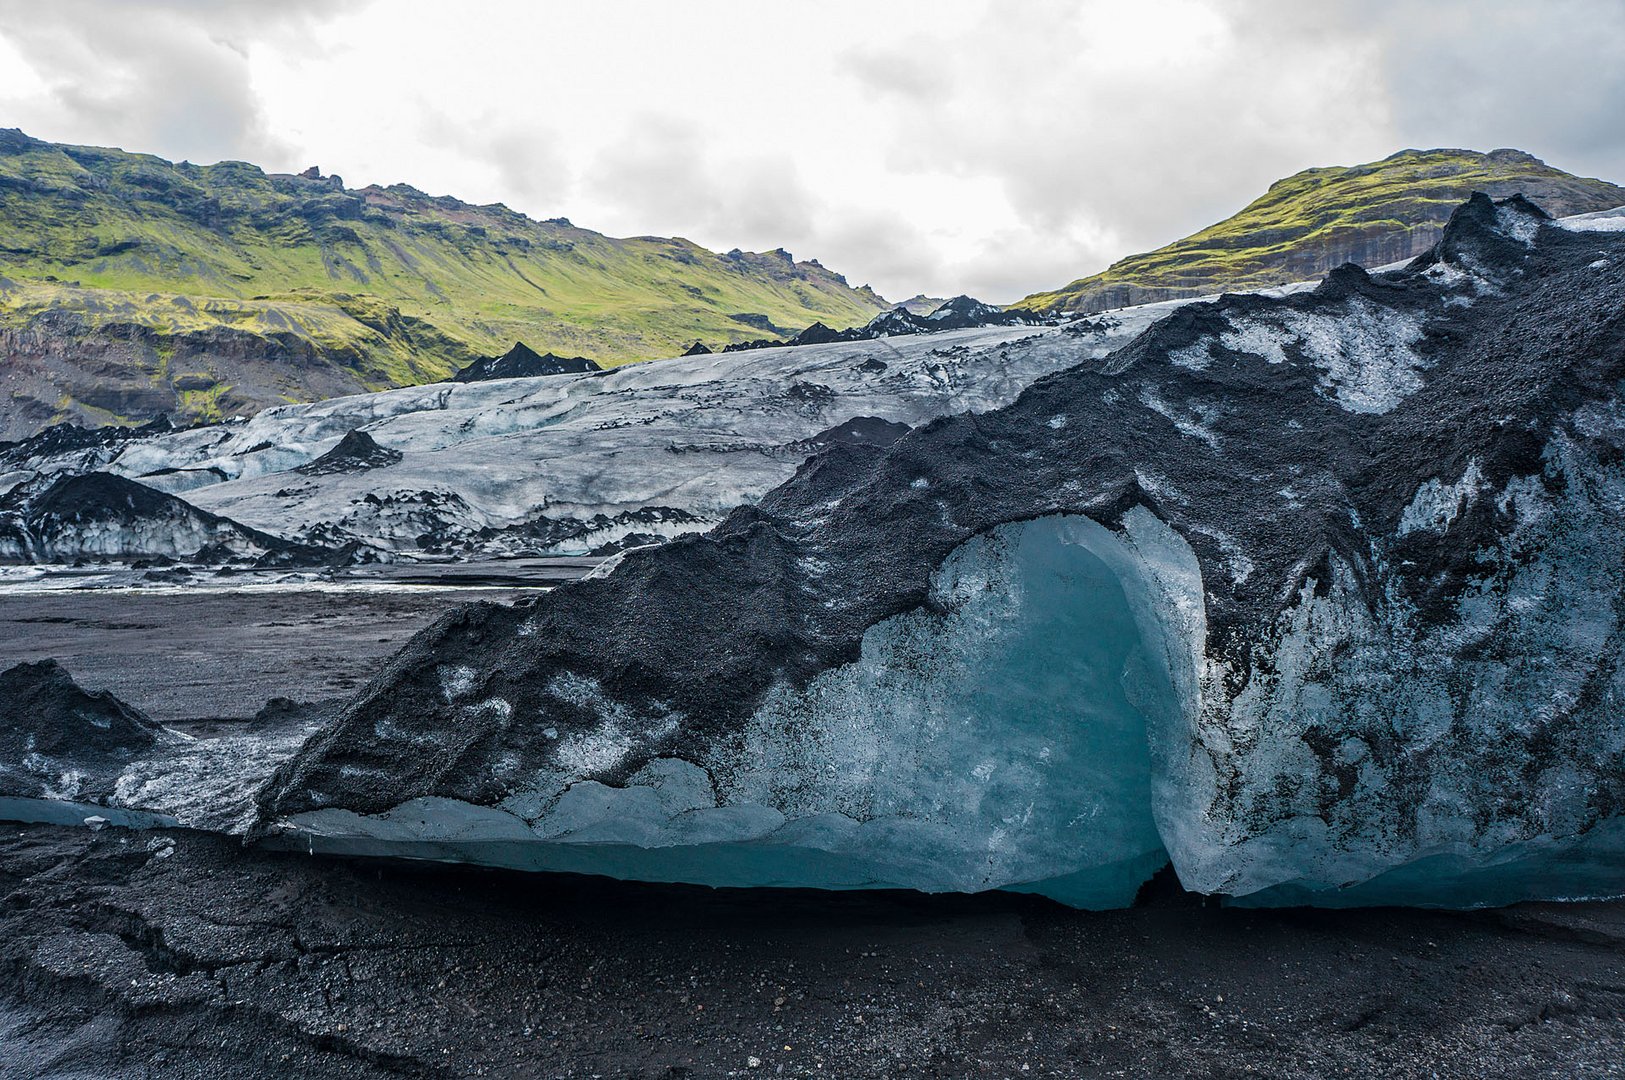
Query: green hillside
pixel 131 285
pixel 1321 218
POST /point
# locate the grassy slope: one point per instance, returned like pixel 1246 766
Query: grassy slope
pixel 1315 220
pixel 399 286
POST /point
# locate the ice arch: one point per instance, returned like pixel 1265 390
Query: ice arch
pixel 1000 737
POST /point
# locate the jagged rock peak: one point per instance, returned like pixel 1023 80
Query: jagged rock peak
pixel 963 308
pixel 355 452
pixel 523 362
pixel 819 334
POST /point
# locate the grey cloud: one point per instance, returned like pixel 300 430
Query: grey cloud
pixel 657 168
pixel 888 71
pixel 1548 78
pixel 1098 159
pixel 169 74
pixel 878 249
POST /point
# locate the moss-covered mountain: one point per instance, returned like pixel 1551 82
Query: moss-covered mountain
pixel 1318 219
pixel 130 286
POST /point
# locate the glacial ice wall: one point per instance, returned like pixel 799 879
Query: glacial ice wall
pixel 1479 758
pixel 996 740
pixel 1318 595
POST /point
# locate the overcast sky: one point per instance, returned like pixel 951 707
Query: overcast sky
pixel 940 146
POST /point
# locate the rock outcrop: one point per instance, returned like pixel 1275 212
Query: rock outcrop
pixel 523 362
pixel 100 515
pixel 356 452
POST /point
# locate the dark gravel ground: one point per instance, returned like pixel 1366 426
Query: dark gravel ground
pixel 183 955
pixel 163 955
pixel 210 654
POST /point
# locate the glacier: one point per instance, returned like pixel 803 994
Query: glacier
pixel 614 458
pixel 1318 597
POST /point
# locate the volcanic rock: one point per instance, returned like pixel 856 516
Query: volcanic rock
pixel 58 739
pixel 102 514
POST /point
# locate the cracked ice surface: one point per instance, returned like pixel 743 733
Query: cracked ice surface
pixel 1600 221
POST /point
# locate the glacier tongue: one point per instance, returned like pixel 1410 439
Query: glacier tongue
pixel 654 449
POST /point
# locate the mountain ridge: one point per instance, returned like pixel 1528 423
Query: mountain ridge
pixel 131 285
pixel 1311 222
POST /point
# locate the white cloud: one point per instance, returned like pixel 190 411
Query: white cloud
pixel 941 146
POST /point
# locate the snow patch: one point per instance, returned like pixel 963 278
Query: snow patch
pixel 1195 357
pixel 1194 427
pixel 1518 225
pixel 1365 354
pixel 1436 504
pixel 456 680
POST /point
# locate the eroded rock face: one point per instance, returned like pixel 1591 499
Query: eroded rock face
pixel 1337 575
